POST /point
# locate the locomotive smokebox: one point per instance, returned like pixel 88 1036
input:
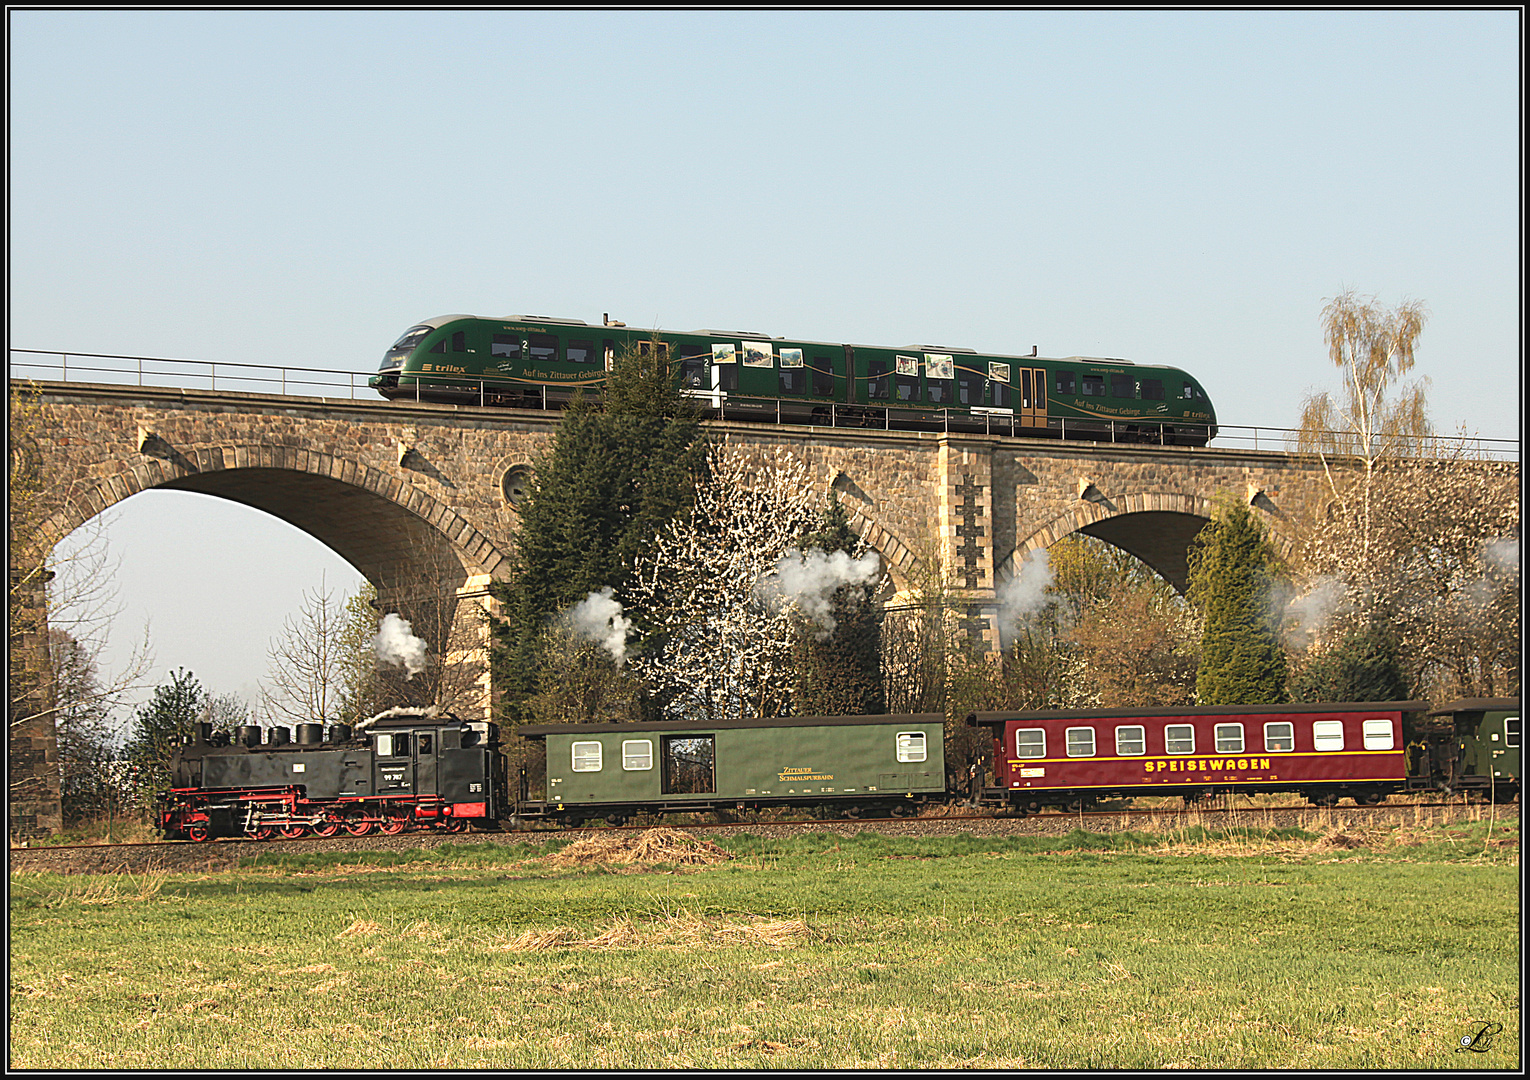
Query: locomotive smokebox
pixel 248 735
pixel 310 734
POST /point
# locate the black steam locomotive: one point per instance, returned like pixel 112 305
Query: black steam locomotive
pixel 402 769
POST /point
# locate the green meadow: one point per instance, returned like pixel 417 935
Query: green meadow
pixel 1252 948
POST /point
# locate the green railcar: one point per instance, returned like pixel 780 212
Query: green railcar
pixel 537 362
pixel 611 771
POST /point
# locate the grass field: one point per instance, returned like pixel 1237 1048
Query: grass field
pixel 1196 949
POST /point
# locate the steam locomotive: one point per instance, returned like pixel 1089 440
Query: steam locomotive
pixel 414 768
pixel 539 363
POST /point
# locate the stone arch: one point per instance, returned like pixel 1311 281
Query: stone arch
pixel 899 560
pixel 389 529
pixel 1156 527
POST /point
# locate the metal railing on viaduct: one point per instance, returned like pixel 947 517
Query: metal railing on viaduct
pixel 115 369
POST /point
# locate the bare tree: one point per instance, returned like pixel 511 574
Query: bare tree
pixel 305 679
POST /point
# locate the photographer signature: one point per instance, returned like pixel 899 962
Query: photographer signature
pixel 1481 1039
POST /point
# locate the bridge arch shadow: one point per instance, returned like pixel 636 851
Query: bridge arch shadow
pixel 1155 527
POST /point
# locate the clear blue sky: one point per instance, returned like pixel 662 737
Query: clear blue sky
pixel 1177 187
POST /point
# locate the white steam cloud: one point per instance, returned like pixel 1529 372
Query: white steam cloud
pixel 395 643
pixel 1024 594
pixel 809 580
pixel 1501 554
pixel 1311 610
pixel 598 618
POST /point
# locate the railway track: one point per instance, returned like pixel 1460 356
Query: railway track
pixel 227 853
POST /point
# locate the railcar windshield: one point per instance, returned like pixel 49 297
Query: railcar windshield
pixel 403 347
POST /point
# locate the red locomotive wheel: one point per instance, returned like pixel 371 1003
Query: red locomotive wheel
pixel 329 828
pixel 265 832
pixel 199 833
pixel 358 828
pixel 398 821
pixel 294 832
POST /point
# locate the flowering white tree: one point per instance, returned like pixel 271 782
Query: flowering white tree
pixel 721 644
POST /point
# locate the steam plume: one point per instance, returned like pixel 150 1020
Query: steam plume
pixel 598 618
pixel 1024 594
pixel 395 643
pixel 809 580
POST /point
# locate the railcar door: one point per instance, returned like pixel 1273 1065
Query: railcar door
pixel 1033 397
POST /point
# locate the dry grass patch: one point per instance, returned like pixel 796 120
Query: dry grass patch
pixel 651 847
pixel 672 932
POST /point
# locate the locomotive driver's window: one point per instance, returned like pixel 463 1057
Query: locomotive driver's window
pixel 383 746
pixel 425 744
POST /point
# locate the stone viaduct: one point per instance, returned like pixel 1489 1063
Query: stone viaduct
pixel 421 497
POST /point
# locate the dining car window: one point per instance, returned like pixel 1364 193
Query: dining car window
pixel 1030 743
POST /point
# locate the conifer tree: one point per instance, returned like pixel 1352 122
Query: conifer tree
pixel 841 674
pixel 616 472
pixel 1363 665
pixel 160 723
pixel 1233 569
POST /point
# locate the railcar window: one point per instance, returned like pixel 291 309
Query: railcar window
pixel 637 755
pixel 911 746
pixel 1094 385
pixel 939 391
pixel 587 757
pixel 404 346
pixel 729 376
pixel 1131 739
pixel 693 372
pixel 459 341
pixel 793 380
pixel 1001 393
pixel 1377 734
pixel 1279 737
pixel 908 387
pixel 1187 391
pixel 823 376
pixel 969 387
pixel 1179 739
pixel 1511 731
pixel 1065 382
pixel 507 345
pixel 1123 386
pixel 1152 389
pixel 581 352
pixel 1080 742
pixel 1229 738
pixel 439 347
pixel 544 348
pixel 1327 735
pixel 1031 743
pixel 878 382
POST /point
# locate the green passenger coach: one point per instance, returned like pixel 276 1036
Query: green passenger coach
pixel 541 363
pixel 610 771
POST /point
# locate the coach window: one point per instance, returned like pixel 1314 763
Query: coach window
pixel 506 345
pixel 1080 742
pixel 1377 734
pixel 1279 737
pixel 1030 743
pixel 1131 739
pixel 1094 385
pixel 878 384
pixel 1229 738
pixel 544 348
pixel 911 746
pixel 637 755
pixel 1179 739
pixel 581 352
pixel 1327 735
pixel 587 757
pixel 1511 731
